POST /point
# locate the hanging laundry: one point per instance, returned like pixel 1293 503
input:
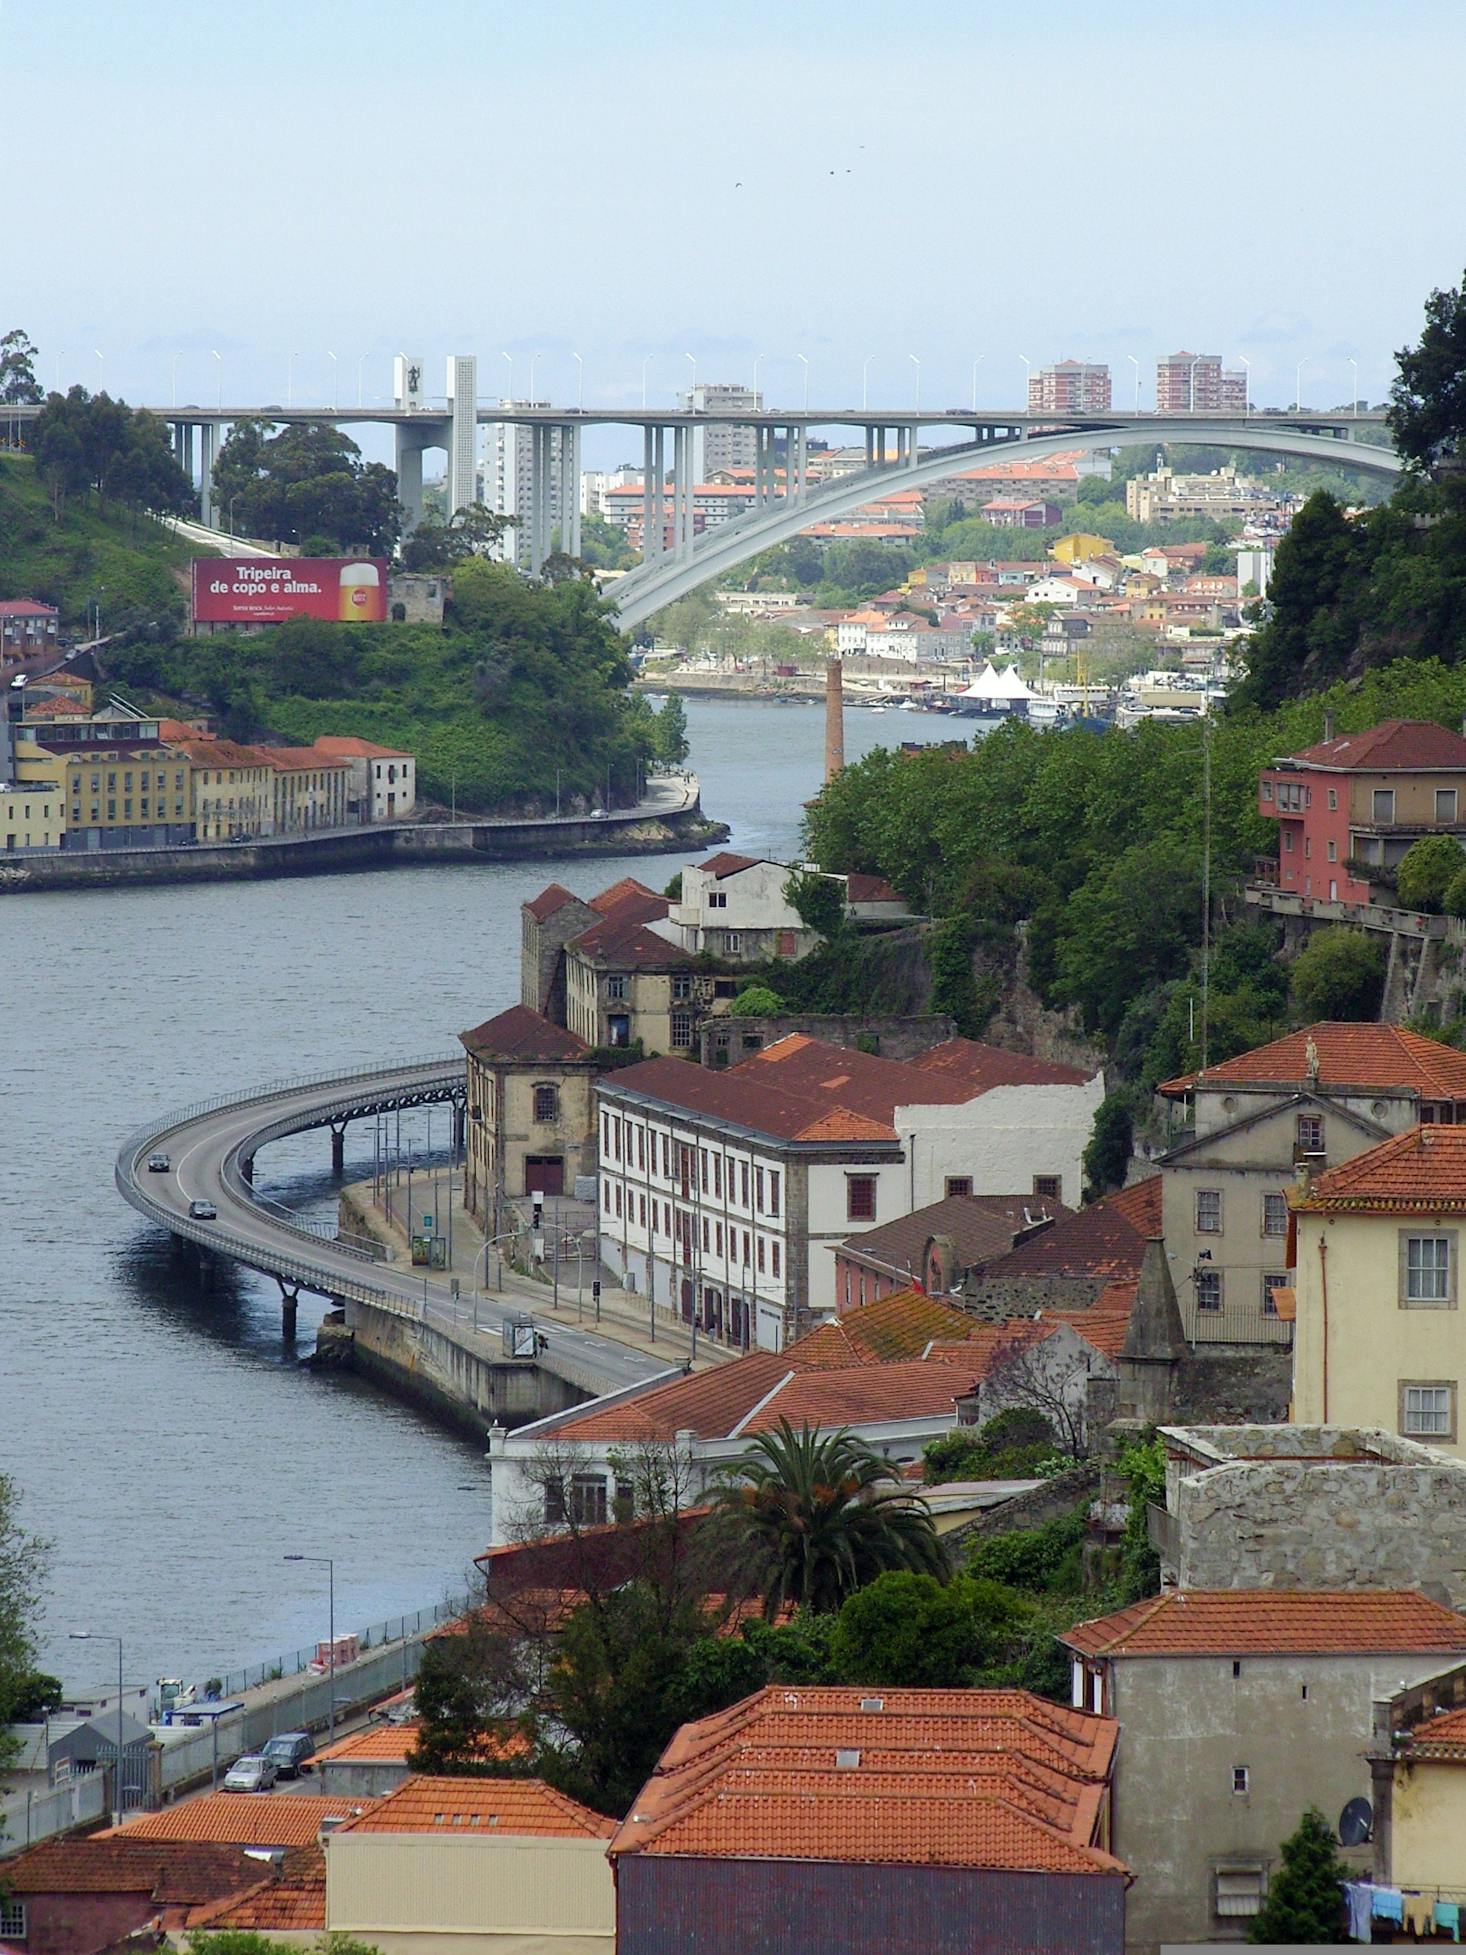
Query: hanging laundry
pixel 1419 1915
pixel 1448 1918
pixel 1389 1905
pixel 1359 1898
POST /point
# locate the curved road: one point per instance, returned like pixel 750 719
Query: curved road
pixel 210 1146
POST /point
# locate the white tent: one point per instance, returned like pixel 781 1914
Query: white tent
pixel 996 688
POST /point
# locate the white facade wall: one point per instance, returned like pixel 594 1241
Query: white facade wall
pixel 830 1220
pixel 751 899
pixel 1005 1140
pixel 393 786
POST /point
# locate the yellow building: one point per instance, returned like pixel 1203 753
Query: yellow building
pixel 1080 547
pixel 311 789
pixel 233 789
pixel 490 1864
pixel 1377 1289
pixel 1418 1766
pixel 32 816
pixel 120 787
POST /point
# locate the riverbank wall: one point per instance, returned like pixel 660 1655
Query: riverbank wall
pixel 344 851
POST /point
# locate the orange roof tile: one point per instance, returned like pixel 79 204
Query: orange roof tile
pixel 1266 1622
pixel 519 1033
pixel 508 1805
pixel 239 1819
pixel 1107 1239
pixel 180 1872
pixel 627 889
pixel 873 1394
pixel 1406 746
pixel 385 1741
pixel 901 1325
pixel 554 896
pixel 1420 1171
pixel 349 747
pixel 1372 1057
pixel 295 1898
pixel 1441 1738
pixel 917 1777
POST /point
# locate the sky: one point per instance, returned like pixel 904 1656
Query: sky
pixel 939 182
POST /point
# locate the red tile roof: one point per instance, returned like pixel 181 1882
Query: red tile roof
pixel 1419 1172
pixel 293 760
pixel 870 889
pixel 1378 1058
pixel 520 1033
pixel 1393 746
pixel 182 1873
pixel 905 1777
pixel 206 751
pixel 498 1805
pixel 727 864
pixel 1107 1239
pixel 551 898
pixel 386 1741
pixel 292 1899
pixel 239 1819
pixel 980 1228
pixel 980 1067
pixel 349 747
pixel 867 1394
pixel 1273 1622
pixel 628 890
pixel 1442 1739
pixel 899 1326
pixel 26 607
pixel 622 938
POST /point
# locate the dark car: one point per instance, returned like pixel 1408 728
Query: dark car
pixel 202 1211
pixel 158 1164
pixel 290 1752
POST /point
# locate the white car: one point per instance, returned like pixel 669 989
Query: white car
pixel 254 1773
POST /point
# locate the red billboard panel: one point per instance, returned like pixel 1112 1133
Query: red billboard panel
pixel 266 590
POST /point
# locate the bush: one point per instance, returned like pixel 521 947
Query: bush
pixel 913 1632
pixel 1338 974
pixel 1454 900
pixel 1427 870
pixel 758 1001
pixel 1106 1159
pixel 1037 1560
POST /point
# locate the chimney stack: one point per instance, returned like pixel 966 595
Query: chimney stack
pixel 834 718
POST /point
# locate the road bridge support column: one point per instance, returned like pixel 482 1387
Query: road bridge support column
pixel 682 491
pixel 208 449
pixel 338 1149
pixel 408 460
pixel 289 1307
pixel 247 1169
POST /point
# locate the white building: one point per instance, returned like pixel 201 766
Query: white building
pixel 727 1193
pixel 383 779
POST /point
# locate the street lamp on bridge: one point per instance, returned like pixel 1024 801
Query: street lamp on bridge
pixel 335 380
pixel 805 364
pixel 1191 384
pixel 1136 364
pixel 916 362
pixel 219 357
pixel 579 381
pixel 1354 369
pixel 509 389
pixel 691 359
pixel 1298 386
pixel 865 381
pixel 975 365
pixel 1027 375
pixel 1247 403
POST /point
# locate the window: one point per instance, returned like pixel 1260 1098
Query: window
pixel 860 1198
pixel 618 1198
pixel 12 1918
pixel 1240 1888
pixel 1050 1186
pixel 958 1184
pixel 718 1176
pixel 706 1236
pixel 1310 1133
pixel 743 1184
pixel 641 1204
pixel 733 941
pixel 747 1257
pixel 1272 1280
pixel 1239 1778
pixel 758 1189
pixel 1275 1214
pixel 1334 798
pixel 1427 1271
pixel 774 1253
pixel 1445 804
pixel 1333 851
pixel 1208 1211
pixel 641 1147
pixel 587 1499
pixel 1287 841
pixel 615 987
pixel 717 899
pixel 1384 804
pixel 702 1168
pixel 1428 1410
pixel 554 1500
pixel 666 1157
pixel 773 1191
pixel 681 985
pixel 760 1255
pixel 1208 1289
pixel 1267 790
pixel 681 1029
pixel 546 1103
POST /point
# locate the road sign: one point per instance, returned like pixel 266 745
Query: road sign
pixel 427 1221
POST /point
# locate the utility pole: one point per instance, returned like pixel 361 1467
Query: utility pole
pixel 1205 885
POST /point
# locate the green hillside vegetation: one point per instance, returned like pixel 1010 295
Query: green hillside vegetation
pixel 133 565
pixel 525 680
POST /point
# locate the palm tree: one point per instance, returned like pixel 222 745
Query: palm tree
pixel 814 1517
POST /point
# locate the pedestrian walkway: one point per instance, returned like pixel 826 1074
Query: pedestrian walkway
pixel 563 1294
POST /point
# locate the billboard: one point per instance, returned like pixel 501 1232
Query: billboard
pixel 266 590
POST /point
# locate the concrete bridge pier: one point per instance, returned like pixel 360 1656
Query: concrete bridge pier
pixel 289 1305
pixel 338 1148
pixel 247 1169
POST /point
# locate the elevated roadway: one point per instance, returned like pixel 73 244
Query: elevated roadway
pixel 212 1146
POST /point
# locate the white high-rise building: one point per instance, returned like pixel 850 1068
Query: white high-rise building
pixel 508 477
pixel 715 447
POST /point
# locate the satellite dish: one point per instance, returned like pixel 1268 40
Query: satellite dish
pixel 1356 1823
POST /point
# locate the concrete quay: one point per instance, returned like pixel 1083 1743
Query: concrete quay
pixel 668 820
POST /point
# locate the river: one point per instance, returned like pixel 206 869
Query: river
pixel 161 1436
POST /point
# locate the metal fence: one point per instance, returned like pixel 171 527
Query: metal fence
pixel 26 1817
pixel 395 1630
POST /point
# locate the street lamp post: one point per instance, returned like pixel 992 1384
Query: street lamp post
pixel 335 380
pixel 1298 387
pixel 865 382
pixel 1136 364
pixel 508 359
pixel 691 359
pixel 534 360
pixel 579 381
pixel 1354 369
pixel 326 1562
pixel 1191 384
pixel 805 364
pixel 975 365
pixel 91 1636
pixel 916 362
pixel 644 365
pixel 232 500
pixel 101 368
pixel 219 360
pixel 1247 369
pixel 1027 376
pixel 758 360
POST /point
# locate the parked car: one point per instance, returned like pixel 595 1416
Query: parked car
pixel 158 1164
pixel 254 1773
pixel 290 1752
pixel 202 1211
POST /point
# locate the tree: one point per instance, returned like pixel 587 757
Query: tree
pixel 818 901
pixel 1307 633
pixel 1454 900
pixel 474 531
pixel 469 1689
pixel 23 1560
pixel 307 480
pixel 87 442
pixel 758 1001
pixel 1131 924
pixel 1027 1373
pixel 18 383
pixel 1427 870
pixel 670 742
pixel 810 1518
pixel 1305 1899
pixel 1339 973
pixel 1111 1142
pixel 1427 413
pixel 913 1632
